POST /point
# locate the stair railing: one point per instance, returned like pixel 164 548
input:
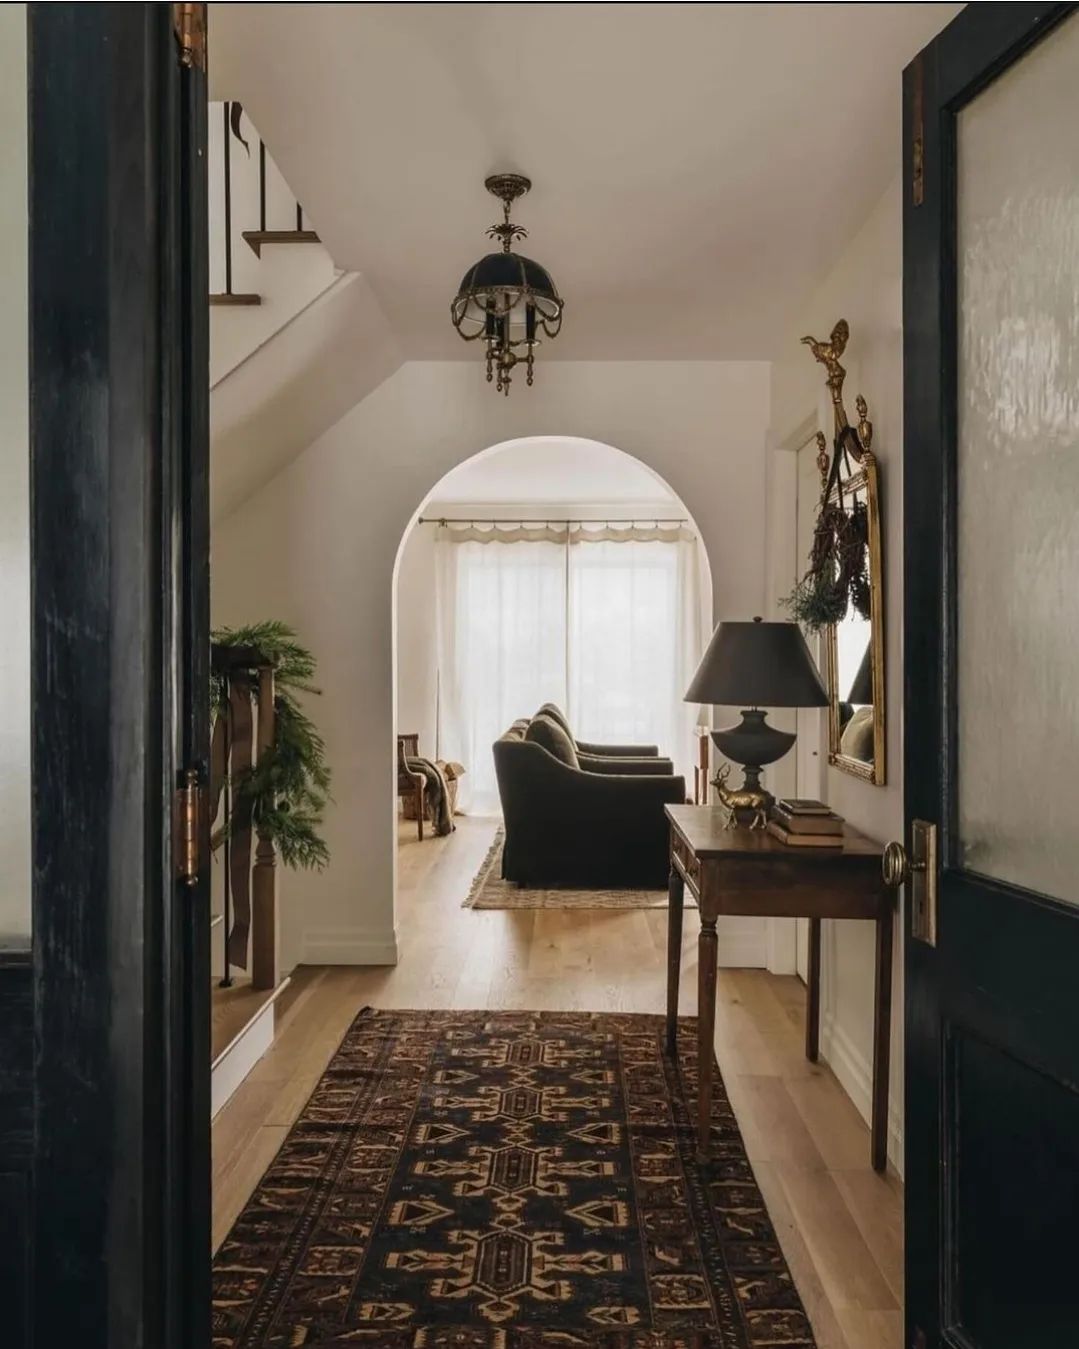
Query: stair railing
pixel 243 734
pixel 239 204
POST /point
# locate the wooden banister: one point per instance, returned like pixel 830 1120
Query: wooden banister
pixel 264 928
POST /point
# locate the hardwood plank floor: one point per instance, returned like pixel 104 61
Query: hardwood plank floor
pixel 840 1223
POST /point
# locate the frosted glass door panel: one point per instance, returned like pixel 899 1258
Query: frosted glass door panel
pixel 14 488
pixel 1018 472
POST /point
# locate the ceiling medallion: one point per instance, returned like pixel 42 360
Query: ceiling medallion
pixel 507 299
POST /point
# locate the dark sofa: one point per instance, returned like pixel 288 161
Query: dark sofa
pixel 577 820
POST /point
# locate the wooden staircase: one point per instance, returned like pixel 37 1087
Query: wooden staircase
pixel 238 188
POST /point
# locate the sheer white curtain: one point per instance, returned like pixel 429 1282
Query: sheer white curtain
pixel 605 622
pixel 635 635
pixel 502 646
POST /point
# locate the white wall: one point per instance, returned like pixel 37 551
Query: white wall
pixel 417 641
pixel 318 545
pixel 864 287
pixel 14 489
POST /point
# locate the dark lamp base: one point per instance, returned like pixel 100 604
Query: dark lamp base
pixel 753 744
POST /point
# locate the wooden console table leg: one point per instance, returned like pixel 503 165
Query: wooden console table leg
pixel 813 992
pixel 707 953
pixel 676 893
pixel 882 1039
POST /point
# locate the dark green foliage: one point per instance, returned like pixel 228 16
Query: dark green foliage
pixel 289 787
pixel 838 574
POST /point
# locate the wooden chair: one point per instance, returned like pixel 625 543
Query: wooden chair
pixel 410 786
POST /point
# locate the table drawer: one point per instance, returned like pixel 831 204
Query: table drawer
pixel 686 863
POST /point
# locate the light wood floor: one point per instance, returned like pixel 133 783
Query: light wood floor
pixel 839 1223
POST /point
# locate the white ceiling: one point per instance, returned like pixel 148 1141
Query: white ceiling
pixel 695 166
pixel 551 471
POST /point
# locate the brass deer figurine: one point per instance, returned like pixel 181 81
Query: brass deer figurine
pixel 757 802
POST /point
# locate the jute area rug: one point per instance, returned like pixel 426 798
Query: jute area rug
pixel 507 1180
pixel 490 891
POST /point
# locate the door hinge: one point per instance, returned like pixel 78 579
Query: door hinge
pixel 924 881
pixel 187 828
pixel 917 141
pixel 189 24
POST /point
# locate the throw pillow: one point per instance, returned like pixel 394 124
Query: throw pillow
pixel 545 731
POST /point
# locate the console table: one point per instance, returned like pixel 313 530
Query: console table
pixel 751 873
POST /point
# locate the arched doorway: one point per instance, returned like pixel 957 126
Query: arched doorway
pixel 622 615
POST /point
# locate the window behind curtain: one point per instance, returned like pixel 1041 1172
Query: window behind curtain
pixel 609 630
pixel 625 642
pixel 502 643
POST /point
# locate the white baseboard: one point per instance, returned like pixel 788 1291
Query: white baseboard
pixel 348 946
pixel 241 1056
pixel 743 943
pixel 782 946
pixel 855 1075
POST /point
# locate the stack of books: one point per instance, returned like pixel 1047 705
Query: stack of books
pixel 806 824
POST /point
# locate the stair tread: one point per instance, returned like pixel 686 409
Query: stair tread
pixel 233 1010
pixel 234 298
pixel 256 238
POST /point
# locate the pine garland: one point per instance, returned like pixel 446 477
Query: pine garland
pixel 838 575
pixel 290 785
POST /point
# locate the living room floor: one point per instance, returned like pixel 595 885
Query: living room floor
pixel 839 1223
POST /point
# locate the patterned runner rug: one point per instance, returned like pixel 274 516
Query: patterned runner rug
pixel 506 1180
pixel 490 891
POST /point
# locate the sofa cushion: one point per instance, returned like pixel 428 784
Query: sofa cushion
pixel 545 731
pixel 857 738
pixel 556 714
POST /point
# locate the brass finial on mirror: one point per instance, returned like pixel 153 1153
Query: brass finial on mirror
pixel 865 427
pixel 854 444
pixel 823 461
pixel 828 353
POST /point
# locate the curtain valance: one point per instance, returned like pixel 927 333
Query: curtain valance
pixel 564 532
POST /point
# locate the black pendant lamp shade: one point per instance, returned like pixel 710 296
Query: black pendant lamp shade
pixel 498 277
pixel 507 300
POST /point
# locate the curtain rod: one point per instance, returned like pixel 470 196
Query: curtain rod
pixel 552 520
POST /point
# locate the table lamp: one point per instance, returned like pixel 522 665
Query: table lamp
pixel 756 665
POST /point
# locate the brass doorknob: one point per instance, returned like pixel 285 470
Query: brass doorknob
pixel 895 865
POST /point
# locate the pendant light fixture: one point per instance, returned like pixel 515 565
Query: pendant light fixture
pixel 506 299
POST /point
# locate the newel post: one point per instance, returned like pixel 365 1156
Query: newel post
pixel 264 944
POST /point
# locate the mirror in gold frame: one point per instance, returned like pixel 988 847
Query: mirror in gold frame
pixel 854 647
pixel 838 582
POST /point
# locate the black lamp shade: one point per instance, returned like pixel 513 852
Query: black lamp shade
pixel 758 664
pixel 506 285
pixel 508 271
pixel 861 690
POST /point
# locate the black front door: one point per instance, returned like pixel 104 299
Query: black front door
pixel 991 500
pixel 120 677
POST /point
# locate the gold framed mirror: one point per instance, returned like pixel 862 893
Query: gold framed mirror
pixel 841 596
pixel 854 647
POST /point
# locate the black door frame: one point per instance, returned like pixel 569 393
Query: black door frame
pixel 979 44
pixel 119 474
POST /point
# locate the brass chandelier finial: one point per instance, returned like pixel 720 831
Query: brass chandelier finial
pixel 507 299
